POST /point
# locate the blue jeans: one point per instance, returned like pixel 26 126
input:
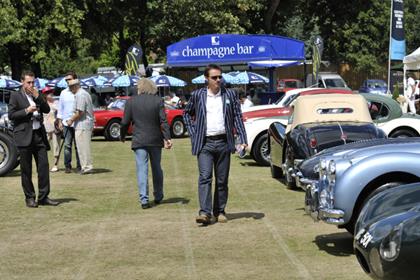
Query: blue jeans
pixel 142 168
pixel 68 143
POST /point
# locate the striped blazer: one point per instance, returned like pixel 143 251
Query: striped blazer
pixel 195 117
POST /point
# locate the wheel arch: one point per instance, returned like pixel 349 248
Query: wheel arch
pixel 409 128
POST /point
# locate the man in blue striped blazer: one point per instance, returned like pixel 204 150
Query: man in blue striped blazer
pixel 213 116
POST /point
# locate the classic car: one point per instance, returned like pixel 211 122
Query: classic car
pixel 284 109
pixel 318 122
pixel 386 113
pixel 107 122
pixel 387 239
pixel 373 86
pixel 257 127
pixel 9 155
pixel 347 176
pixel 279 103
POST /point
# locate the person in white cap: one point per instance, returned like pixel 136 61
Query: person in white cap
pixel 83 120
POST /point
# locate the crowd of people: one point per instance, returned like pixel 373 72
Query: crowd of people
pixel 213 117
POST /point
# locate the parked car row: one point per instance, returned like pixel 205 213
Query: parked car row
pixel 334 147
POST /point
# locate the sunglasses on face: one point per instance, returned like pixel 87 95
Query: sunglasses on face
pixel 214 78
pixel 30 82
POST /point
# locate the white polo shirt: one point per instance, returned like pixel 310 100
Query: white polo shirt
pixel 215 118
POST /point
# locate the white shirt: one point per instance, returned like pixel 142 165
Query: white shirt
pixel 175 100
pixel 215 118
pixel 35 123
pixel 65 106
pixel 247 103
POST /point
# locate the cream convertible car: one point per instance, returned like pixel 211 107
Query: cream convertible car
pixel 385 113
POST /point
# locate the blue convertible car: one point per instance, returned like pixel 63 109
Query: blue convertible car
pixel 340 181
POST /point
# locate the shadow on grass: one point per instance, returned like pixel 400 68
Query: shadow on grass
pixel 14 173
pixel 337 244
pixel 180 200
pixel 245 215
pixel 65 200
pixel 252 163
pixel 100 170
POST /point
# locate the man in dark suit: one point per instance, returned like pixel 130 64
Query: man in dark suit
pixel 146 112
pixel 213 116
pixel 25 110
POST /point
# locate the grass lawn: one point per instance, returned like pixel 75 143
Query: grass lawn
pixel 101 232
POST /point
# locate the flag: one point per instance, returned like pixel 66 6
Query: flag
pixel 317 50
pixel 397 40
pixel 133 59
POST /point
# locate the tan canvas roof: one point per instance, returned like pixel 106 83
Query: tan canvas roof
pixel 329 107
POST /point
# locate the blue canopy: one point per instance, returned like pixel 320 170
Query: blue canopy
pixel 167 81
pixel 122 81
pixel 242 78
pixel 95 81
pixel 41 83
pixel 7 83
pixel 233 49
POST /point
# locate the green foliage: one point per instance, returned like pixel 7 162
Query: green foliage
pixel 395 92
pixel 81 34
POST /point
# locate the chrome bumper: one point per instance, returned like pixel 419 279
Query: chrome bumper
pixel 312 207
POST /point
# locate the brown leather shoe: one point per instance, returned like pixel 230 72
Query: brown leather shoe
pixel 202 219
pixel 31 203
pixel 222 218
pixel 48 202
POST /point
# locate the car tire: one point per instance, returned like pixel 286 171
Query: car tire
pixel 350 226
pixel 112 130
pixel 260 151
pixel 178 128
pixel 289 180
pixel 8 154
pixel 403 133
pixel 276 172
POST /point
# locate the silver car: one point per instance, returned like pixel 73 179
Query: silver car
pixel 347 177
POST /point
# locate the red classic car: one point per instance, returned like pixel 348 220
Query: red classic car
pixel 285 111
pixel 107 122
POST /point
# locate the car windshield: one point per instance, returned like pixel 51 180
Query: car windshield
pixel 292 84
pixel 376 84
pixel 333 83
pixel 117 104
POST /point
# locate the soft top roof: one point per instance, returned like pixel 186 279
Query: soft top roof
pixel 330 107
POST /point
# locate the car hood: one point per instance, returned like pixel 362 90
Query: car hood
pixel 100 113
pixel 357 150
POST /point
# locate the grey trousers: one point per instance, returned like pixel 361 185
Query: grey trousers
pixel 214 155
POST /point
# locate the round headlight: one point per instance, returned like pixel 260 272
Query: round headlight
pixel 323 198
pixel 323 164
pixel 391 245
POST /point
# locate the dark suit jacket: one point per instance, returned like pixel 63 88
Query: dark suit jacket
pixel 22 122
pixel 150 127
pixel 195 118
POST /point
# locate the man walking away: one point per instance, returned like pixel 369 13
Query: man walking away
pixel 150 133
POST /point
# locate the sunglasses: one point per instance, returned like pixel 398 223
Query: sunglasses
pixel 214 78
pixel 68 79
pixel 30 82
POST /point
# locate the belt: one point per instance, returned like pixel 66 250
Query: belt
pixel 217 137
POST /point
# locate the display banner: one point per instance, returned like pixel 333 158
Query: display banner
pixel 317 49
pixel 133 59
pixel 233 48
pixel 397 44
